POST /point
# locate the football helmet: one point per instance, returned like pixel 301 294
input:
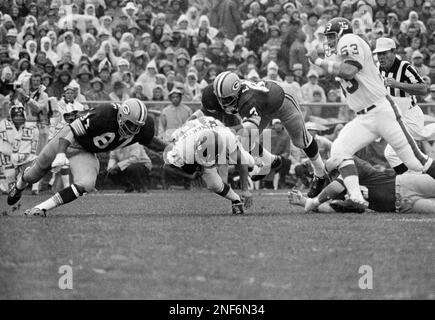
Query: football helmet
pixel 227 87
pixel 132 114
pixel 334 30
pixel 17 115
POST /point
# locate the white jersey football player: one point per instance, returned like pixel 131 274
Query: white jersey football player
pixel 199 148
pixel 376 113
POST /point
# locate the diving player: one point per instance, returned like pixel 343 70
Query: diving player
pixel 202 146
pixel 102 129
pixel 376 113
pixel 258 104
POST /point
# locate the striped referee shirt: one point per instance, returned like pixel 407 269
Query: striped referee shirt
pixel 401 71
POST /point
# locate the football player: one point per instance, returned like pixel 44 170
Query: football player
pixel 376 113
pixel 258 104
pixel 200 148
pixel 384 190
pixel 211 108
pixel 102 129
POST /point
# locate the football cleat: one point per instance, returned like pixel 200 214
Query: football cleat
pixel 317 186
pixel 237 208
pixel 35 212
pixel 14 194
pixel 349 206
pixel 276 165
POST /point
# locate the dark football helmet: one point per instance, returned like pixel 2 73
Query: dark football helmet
pixel 227 87
pixel 132 114
pixel 334 30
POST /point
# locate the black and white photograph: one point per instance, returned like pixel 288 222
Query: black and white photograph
pixel 213 156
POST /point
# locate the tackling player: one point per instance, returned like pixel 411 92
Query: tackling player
pixel 403 82
pixel 102 129
pixel 258 104
pixel 376 113
pixel 200 148
pixel 386 192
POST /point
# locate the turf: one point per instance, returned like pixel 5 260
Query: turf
pixel 187 245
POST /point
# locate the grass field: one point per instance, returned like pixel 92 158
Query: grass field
pixel 187 245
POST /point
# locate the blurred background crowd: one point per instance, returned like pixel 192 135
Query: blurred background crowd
pixel 71 55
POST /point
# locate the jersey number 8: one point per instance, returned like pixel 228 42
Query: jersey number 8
pixel 104 140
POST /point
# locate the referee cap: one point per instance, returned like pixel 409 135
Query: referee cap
pixel 384 44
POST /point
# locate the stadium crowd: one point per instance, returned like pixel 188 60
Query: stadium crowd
pixel 60 56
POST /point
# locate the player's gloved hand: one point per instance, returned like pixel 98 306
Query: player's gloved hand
pixel 247 199
pixel 59 161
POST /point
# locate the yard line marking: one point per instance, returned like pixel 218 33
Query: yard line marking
pixel 271 194
pixel 412 220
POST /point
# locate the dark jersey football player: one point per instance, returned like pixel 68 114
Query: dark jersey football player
pixel 386 192
pixel 258 104
pixel 101 129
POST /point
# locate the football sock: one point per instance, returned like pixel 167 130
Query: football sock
pixel 318 166
pixel 312 152
pixel 65 196
pixel 53 179
pixel 65 180
pixel 228 193
pixel 350 179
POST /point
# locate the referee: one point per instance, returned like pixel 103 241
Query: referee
pixel 403 82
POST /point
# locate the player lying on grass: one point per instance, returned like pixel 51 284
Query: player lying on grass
pixel 384 190
pixel 200 148
pixel 102 129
